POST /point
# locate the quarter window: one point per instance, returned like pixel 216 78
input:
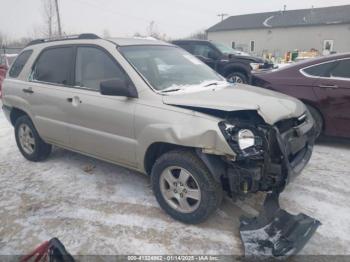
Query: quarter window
pixel 342 69
pixel 19 63
pixel 94 66
pixel 54 66
pixel 322 70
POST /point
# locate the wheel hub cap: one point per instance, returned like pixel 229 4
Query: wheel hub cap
pixel 180 189
pixel 26 139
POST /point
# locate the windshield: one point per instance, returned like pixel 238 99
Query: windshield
pixel 169 68
pixel 228 50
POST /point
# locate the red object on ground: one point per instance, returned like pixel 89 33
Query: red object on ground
pixel 40 253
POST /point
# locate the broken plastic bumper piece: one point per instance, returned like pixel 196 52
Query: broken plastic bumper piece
pixel 275 232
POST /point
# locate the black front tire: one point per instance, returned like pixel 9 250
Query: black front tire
pixel 211 190
pixel 237 77
pixel 41 151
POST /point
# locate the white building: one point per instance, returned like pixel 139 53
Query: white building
pixel 322 29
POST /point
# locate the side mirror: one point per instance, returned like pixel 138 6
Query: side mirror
pixel 118 87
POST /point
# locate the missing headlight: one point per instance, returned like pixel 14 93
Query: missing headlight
pixel 244 140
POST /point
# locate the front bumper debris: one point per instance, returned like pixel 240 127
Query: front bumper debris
pixel 275 232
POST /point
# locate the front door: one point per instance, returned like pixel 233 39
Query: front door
pixel 206 53
pixel 100 125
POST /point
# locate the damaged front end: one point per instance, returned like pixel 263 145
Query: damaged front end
pixel 267 158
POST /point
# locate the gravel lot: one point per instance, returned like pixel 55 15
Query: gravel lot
pixel 99 208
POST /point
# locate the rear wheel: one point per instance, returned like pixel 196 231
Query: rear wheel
pixel 29 142
pixel 184 187
pixel 237 77
pixel 318 120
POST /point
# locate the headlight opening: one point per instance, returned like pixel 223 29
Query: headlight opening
pixel 245 141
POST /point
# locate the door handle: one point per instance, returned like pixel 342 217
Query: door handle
pixel 70 99
pixel 328 86
pixel 28 90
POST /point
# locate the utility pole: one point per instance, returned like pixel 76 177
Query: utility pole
pixel 222 15
pixel 58 19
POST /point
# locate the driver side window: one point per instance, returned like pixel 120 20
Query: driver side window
pixel 204 51
pixel 94 66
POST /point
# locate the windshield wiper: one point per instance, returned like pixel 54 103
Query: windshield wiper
pixel 171 90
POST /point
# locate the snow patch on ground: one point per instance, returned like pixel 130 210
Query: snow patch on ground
pixel 112 210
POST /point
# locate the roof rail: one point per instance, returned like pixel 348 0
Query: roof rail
pixel 68 37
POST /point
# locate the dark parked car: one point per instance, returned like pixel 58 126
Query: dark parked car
pixel 323 84
pixel 233 64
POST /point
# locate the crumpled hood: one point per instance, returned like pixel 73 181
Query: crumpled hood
pixel 270 105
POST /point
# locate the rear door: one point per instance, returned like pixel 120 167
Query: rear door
pixel 334 92
pixel 100 125
pixel 47 93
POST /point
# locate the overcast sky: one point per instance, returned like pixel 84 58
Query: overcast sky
pixel 176 18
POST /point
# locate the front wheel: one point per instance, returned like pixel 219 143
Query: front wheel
pixel 237 77
pixel 184 187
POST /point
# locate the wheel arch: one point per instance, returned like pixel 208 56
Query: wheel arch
pixel 236 68
pixel 155 150
pixel 213 162
pixel 313 105
pixel 17 113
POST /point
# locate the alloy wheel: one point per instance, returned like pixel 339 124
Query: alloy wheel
pixel 236 79
pixel 26 139
pixel 180 189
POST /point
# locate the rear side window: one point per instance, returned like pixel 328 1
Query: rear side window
pixel 55 65
pixel 322 70
pixel 342 69
pixel 93 66
pixel 19 63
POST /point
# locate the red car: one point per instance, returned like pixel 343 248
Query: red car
pixel 3 70
pixel 5 62
pixel 323 84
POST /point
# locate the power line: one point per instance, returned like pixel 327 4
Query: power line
pixel 222 15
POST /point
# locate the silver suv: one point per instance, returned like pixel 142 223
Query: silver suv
pixel 153 107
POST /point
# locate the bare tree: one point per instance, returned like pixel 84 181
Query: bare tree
pixel 2 40
pixel 200 35
pixel 106 33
